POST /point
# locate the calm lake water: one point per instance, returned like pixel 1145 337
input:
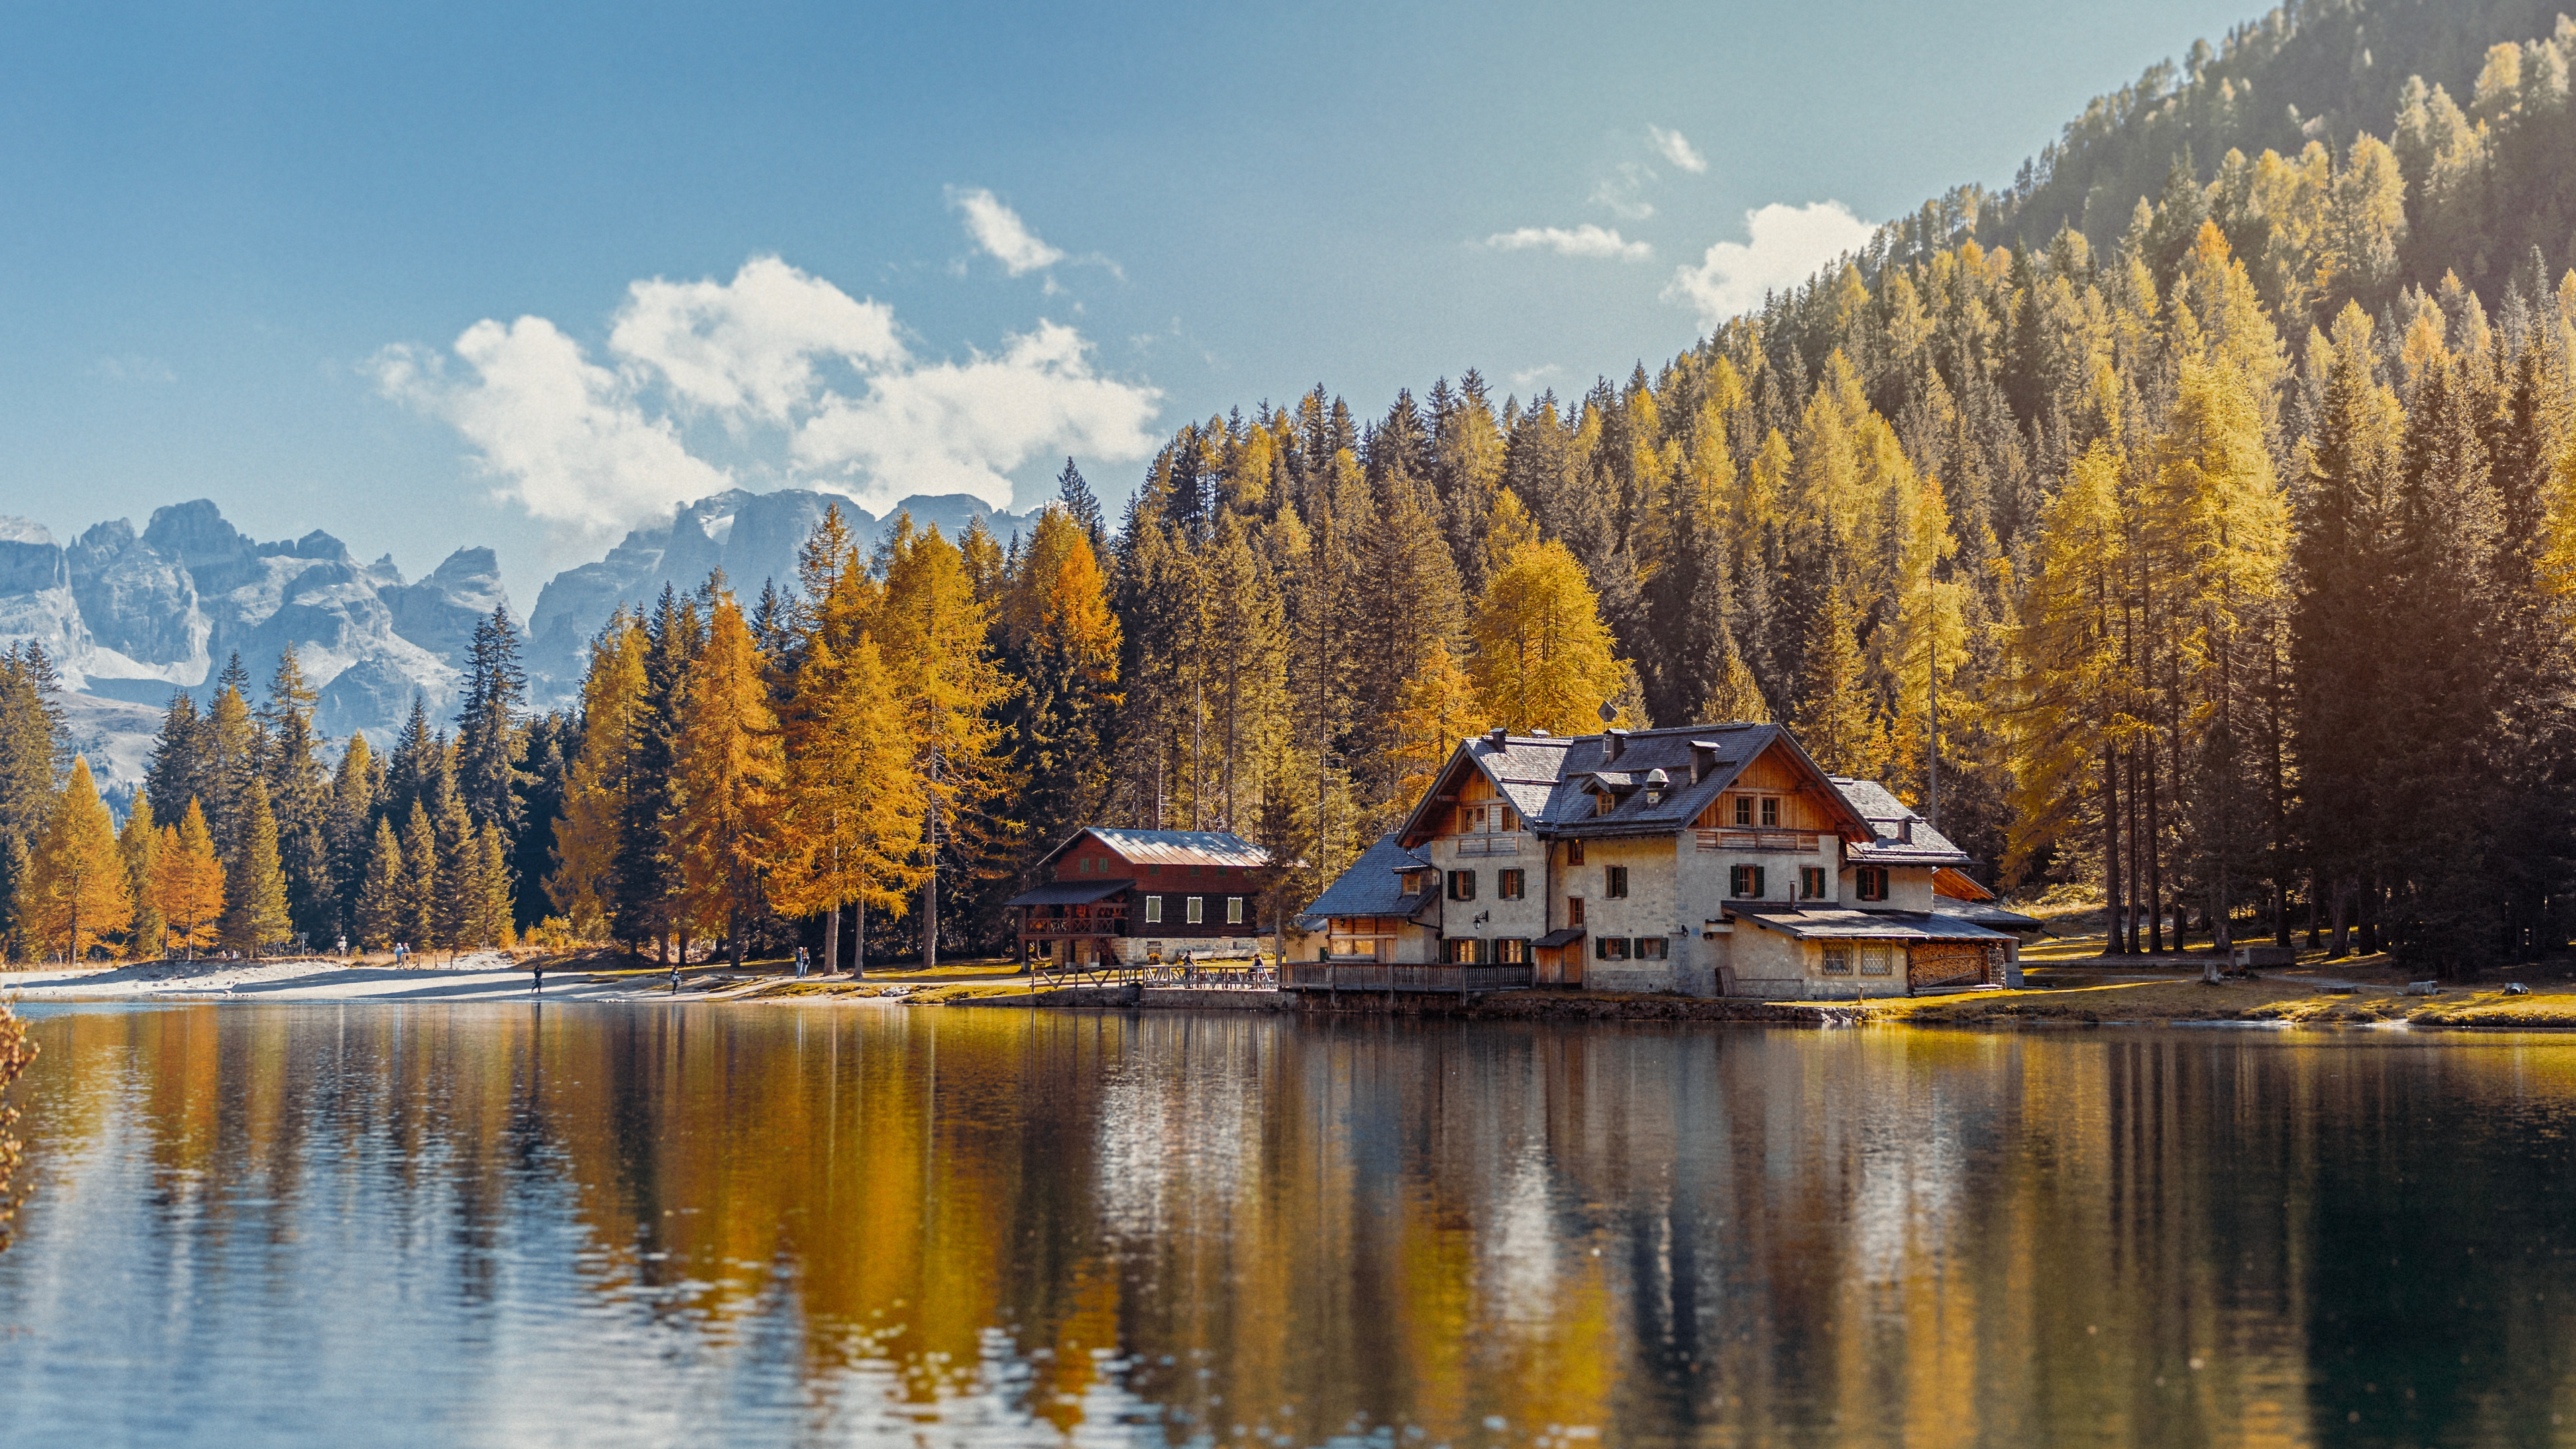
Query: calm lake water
pixel 573 1225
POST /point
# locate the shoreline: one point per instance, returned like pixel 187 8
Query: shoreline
pixel 2060 998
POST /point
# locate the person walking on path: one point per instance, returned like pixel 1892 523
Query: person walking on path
pixel 537 978
pixel 675 978
pixel 800 963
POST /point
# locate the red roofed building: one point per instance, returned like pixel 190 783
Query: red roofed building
pixel 1130 896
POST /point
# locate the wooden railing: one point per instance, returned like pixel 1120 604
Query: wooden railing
pixel 1489 845
pixel 1803 841
pixel 1383 976
pixel 1076 926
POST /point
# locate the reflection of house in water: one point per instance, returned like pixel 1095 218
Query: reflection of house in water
pixel 1130 896
pixel 1707 859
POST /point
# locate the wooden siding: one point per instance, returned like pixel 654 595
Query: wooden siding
pixel 1773 775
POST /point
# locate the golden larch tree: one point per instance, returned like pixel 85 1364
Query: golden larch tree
pixel 188 881
pixel 730 771
pixel 76 891
pixel 1542 658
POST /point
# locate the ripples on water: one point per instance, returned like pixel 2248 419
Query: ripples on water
pixel 874 1225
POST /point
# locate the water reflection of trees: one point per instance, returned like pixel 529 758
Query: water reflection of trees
pixel 1663 1235
pixel 15 1052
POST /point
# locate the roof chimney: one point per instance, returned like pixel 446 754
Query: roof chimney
pixel 1613 742
pixel 1905 830
pixel 1499 738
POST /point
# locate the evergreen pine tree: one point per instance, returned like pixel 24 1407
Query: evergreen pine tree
pixel 255 912
pixel 645 872
pixel 299 795
pixel 416 921
pixel 487 725
pixel 139 844
pixel 382 908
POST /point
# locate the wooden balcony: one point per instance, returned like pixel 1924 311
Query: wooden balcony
pixel 1095 925
pixel 1489 845
pixel 1802 842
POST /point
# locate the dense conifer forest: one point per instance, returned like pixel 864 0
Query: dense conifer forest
pixel 2190 525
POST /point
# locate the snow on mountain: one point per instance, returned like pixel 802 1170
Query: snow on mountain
pixel 131 617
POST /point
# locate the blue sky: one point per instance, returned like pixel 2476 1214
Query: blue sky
pixel 430 276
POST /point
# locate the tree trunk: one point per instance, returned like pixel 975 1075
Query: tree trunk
pixel 2115 939
pixel 832 940
pixel 2155 898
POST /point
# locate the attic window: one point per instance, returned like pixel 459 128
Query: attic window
pixel 1743 809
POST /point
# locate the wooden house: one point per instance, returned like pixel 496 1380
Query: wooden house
pixel 1132 896
pixel 1709 859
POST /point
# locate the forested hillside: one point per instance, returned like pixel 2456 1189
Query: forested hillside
pixel 2193 524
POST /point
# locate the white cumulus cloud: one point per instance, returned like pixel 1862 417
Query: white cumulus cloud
pixel 998 230
pixel 564 435
pixel 1786 244
pixel 960 427
pixel 1675 147
pixel 749 345
pixel 1586 240
pixel 810 386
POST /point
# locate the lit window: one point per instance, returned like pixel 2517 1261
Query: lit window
pixel 1574 852
pixel 1153 910
pixel 1197 908
pixel 1745 882
pixel 1234 910
pixel 1460 950
pixel 1511 953
pixel 1614 882
pixel 1870 883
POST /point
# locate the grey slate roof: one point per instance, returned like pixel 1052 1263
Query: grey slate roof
pixel 1844 923
pixel 1372 887
pixel 1070 892
pixel 1887 817
pixel 1173 847
pixel 1988 914
pixel 1570 807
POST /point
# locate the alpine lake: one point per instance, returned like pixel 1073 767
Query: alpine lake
pixel 870 1224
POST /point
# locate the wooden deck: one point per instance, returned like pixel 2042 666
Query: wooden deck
pixel 1382 977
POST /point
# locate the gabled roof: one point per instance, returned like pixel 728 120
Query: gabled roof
pixel 1554 782
pixel 1373 886
pixel 1169 847
pixel 1726 750
pixel 1899 836
pixel 1522 769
